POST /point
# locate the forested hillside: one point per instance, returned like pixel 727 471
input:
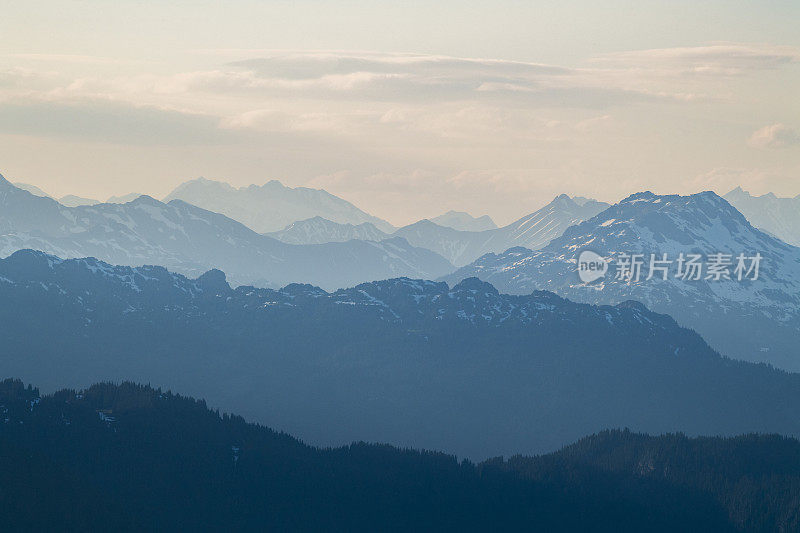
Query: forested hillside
pixel 132 457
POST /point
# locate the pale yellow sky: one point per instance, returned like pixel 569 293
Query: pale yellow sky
pixel 407 109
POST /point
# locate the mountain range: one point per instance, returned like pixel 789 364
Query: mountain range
pixel 409 362
pixel 272 206
pixel 460 247
pixel 72 200
pixel 532 231
pixel 311 216
pixel 192 240
pixel 130 457
pixel 779 217
pixel 754 320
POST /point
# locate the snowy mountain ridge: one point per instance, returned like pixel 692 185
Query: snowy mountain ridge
pixel 399 300
pixel 756 320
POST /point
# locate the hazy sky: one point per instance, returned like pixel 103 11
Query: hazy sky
pixel 405 108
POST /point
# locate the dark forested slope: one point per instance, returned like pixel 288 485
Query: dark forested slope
pixel 132 457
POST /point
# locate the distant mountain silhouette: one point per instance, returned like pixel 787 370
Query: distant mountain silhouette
pixel 192 240
pixel 318 230
pixel 532 231
pixel 464 221
pixel 71 200
pixel 457 246
pixel 779 217
pixel 125 198
pixel 309 216
pixel 272 206
pixel 33 189
pixel 409 362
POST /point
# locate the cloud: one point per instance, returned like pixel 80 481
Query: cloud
pixel 592 124
pixel 310 65
pixel 774 136
pixel 715 59
pixel 315 90
pixel 26 79
pixel 359 77
pixel 613 79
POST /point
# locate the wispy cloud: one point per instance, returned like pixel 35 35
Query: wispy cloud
pixel 379 78
pixel 714 59
pixel 304 65
pixel 373 80
pixel 775 136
